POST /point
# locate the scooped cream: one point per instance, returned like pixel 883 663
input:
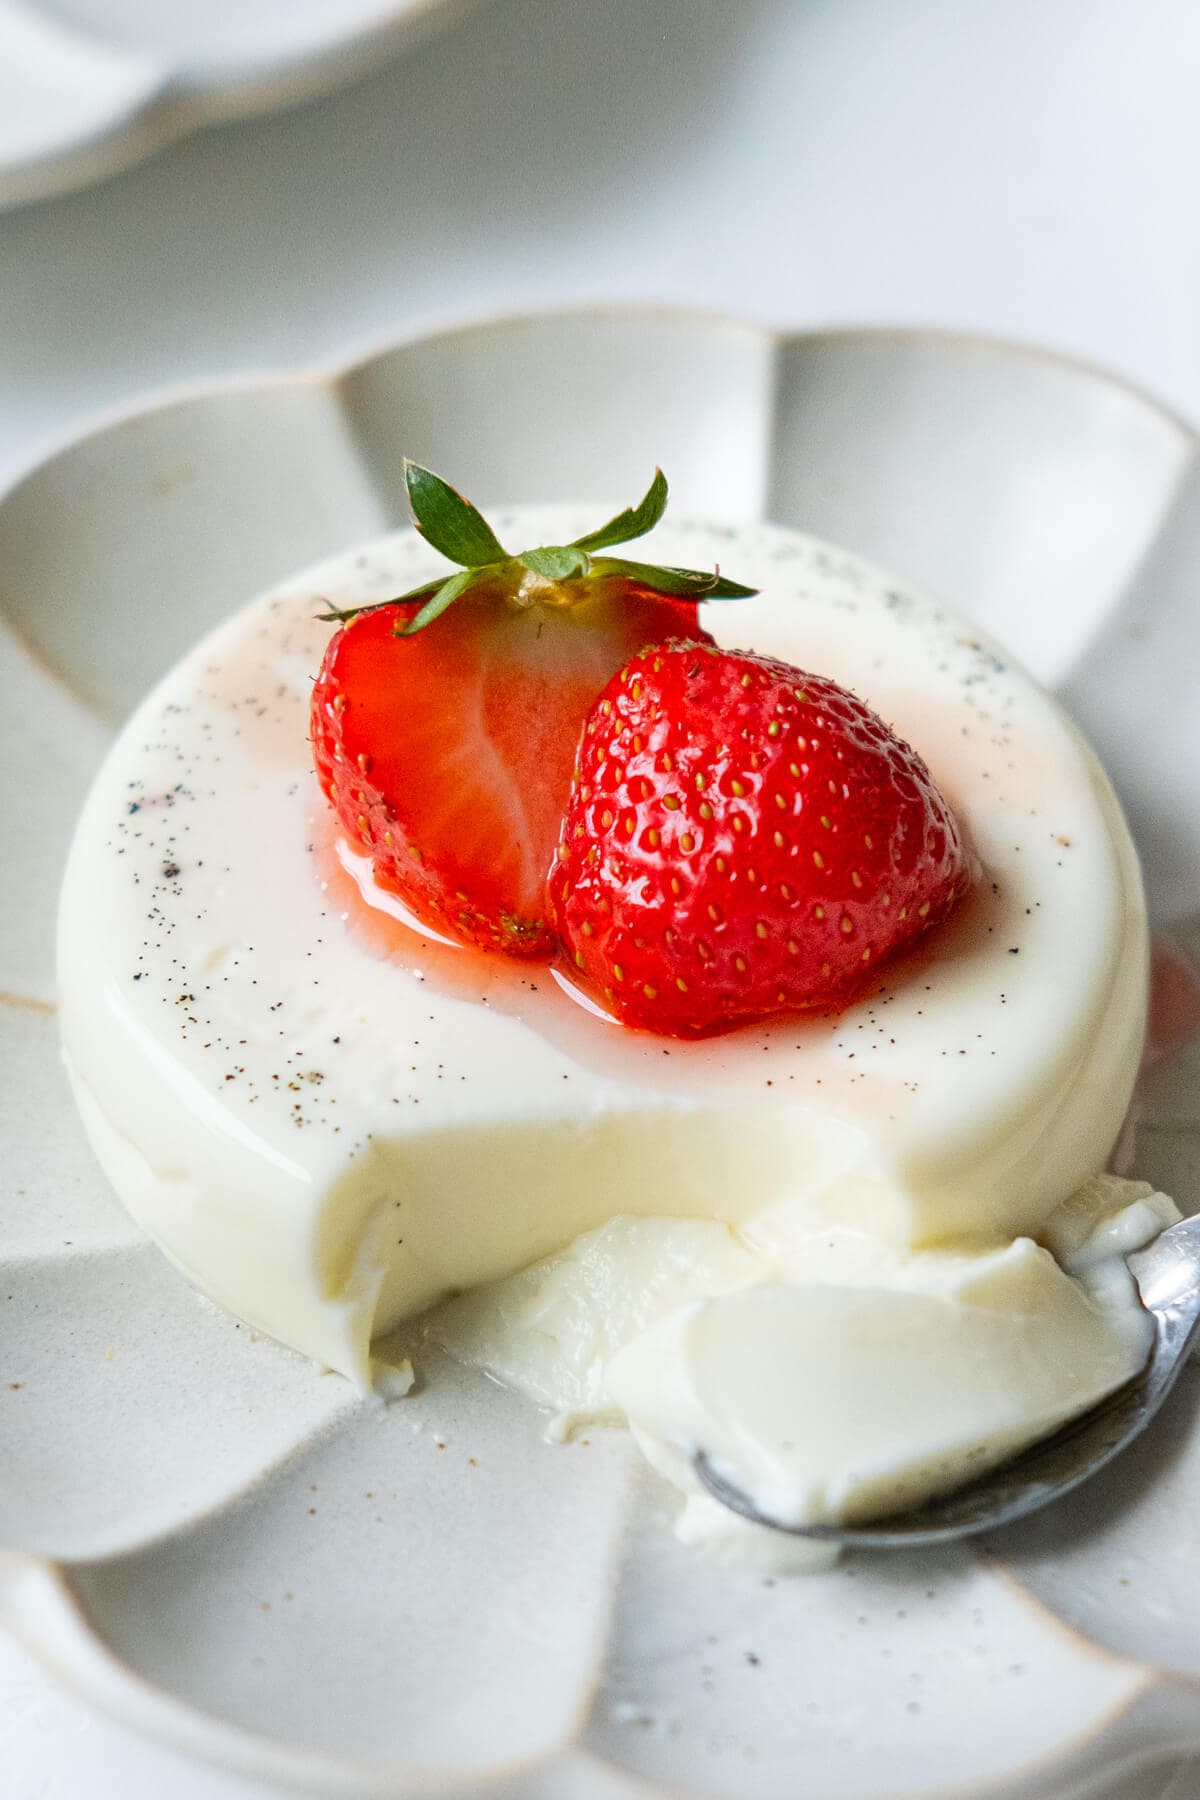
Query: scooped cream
pixel 829 1377
pixel 332 1122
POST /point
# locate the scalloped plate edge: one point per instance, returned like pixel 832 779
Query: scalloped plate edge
pixel 331 372
pixel 169 102
pixel 34 1600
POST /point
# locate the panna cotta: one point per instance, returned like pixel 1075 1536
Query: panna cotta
pixel 334 1123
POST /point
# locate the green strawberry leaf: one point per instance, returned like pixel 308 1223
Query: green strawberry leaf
pixel 725 589
pixel 557 562
pixel 342 615
pixel 452 525
pixel 634 522
pixel 686 583
pixel 438 601
pixel 448 521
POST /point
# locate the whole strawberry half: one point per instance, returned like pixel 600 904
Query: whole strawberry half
pixel 445 723
pixel 743 839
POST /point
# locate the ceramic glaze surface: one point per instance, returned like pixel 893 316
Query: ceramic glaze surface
pixel 87 86
pixel 566 1643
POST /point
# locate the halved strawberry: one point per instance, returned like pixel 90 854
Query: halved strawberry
pixel 743 839
pixel 447 748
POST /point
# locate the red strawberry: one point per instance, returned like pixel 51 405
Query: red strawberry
pixel 743 839
pixel 445 724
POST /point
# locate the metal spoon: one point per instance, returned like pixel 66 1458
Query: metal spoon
pixel 1167 1273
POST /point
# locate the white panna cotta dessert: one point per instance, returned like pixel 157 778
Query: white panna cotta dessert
pixel 851 1258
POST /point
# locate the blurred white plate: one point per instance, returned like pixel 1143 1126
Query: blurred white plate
pixel 226 1551
pixel 89 86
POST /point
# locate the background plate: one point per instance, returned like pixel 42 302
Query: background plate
pixel 89 86
pixel 233 1556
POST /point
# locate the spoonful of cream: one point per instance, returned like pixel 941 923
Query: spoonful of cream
pixel 1166 1275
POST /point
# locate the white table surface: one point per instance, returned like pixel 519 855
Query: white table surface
pixel 1022 167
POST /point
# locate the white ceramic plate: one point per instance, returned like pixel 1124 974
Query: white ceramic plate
pixel 89 86
pixel 227 1551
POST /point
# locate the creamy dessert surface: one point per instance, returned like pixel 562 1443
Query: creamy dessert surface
pixel 332 1122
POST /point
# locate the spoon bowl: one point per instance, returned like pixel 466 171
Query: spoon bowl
pixel 1167 1275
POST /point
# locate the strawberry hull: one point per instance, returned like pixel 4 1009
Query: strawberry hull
pixel 448 755
pixel 445 723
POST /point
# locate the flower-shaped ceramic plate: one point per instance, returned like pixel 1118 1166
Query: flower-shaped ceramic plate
pixel 88 86
pixel 232 1553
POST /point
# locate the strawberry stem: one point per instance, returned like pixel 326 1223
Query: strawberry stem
pixel 454 526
